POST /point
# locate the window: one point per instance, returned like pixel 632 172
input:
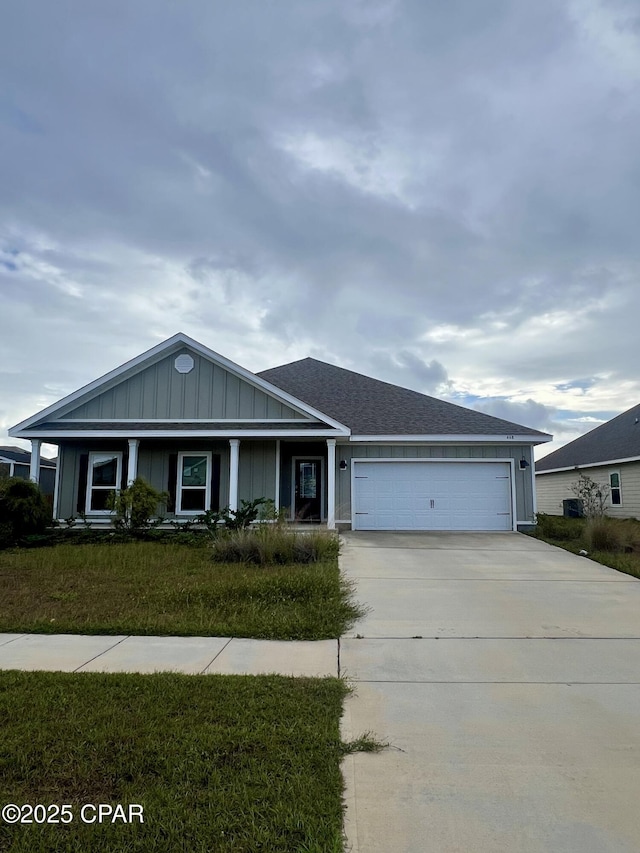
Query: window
pixel 614 483
pixel 194 483
pixel 104 476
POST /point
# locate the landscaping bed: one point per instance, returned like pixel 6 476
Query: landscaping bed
pixel 217 763
pixel 160 588
pixel 610 541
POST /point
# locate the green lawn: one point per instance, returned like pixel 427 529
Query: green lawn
pixel 218 763
pixel 168 589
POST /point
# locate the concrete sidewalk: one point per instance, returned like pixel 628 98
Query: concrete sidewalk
pixel 505 673
pixel 192 655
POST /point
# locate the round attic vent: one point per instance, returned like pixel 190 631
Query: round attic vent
pixel 184 363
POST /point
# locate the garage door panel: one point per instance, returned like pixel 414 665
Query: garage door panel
pixel 432 496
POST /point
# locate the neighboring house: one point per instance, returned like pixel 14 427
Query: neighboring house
pixel 324 443
pixel 608 454
pixel 16 462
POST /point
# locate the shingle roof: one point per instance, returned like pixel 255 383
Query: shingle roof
pixel 372 407
pixel 618 438
pixel 16 454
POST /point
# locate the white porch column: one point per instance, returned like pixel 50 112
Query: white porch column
pixel 34 469
pixel 277 500
pixel 132 467
pixel 331 483
pixel 234 467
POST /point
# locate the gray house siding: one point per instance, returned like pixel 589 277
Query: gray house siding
pixel 23 472
pixel 160 392
pixel 153 466
pixel 347 452
pixel 257 474
pixel 257 467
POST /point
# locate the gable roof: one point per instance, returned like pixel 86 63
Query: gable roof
pixel 613 441
pixel 32 426
pixel 371 407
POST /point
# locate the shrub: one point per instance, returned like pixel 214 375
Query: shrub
pixel 605 534
pixel 273 544
pixel 238 519
pixel 23 510
pixel 593 495
pixel 558 527
pixel 136 507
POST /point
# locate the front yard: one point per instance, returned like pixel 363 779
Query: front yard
pixel 169 589
pixel 612 542
pixel 217 763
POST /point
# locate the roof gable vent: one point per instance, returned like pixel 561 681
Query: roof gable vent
pixel 183 363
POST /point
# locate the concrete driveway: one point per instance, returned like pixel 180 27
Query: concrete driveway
pixel 506 675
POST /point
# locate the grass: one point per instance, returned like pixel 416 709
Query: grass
pixel 611 542
pixel 168 589
pixel 219 763
pixel 275 545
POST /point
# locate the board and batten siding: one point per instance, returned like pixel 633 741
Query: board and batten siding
pixel 257 474
pixel 552 489
pixel 159 391
pixel 347 452
pixel 69 455
pixel 153 466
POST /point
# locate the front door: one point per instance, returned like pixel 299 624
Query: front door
pixel 308 489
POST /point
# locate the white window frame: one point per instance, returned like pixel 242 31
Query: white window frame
pixel 179 487
pixel 618 487
pixel 117 454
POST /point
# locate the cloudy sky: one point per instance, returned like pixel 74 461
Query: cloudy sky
pixel 442 195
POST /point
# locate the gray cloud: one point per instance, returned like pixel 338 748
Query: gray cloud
pixel 394 186
pixel 529 413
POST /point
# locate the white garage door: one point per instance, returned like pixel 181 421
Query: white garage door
pixel 413 495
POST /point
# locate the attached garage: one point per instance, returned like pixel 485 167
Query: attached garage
pixel 412 494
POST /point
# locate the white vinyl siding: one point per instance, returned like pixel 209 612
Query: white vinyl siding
pixel 425 495
pixel 552 489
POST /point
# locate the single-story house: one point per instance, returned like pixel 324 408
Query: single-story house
pixel 608 454
pixel 324 443
pixel 16 462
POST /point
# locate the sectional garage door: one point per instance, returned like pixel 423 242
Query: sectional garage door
pixel 424 495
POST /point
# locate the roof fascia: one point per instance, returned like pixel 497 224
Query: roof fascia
pixel 181 420
pixel 179 339
pixel 53 437
pixel 452 438
pixel 588 465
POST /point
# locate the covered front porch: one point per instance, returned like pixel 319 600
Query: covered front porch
pixel 197 474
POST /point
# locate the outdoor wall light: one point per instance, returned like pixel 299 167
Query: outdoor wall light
pixel 523 464
pixel 343 464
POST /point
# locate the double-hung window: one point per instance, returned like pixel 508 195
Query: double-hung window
pixel 614 484
pixel 103 477
pixel 193 495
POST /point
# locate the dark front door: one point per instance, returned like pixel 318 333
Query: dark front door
pixel 308 489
